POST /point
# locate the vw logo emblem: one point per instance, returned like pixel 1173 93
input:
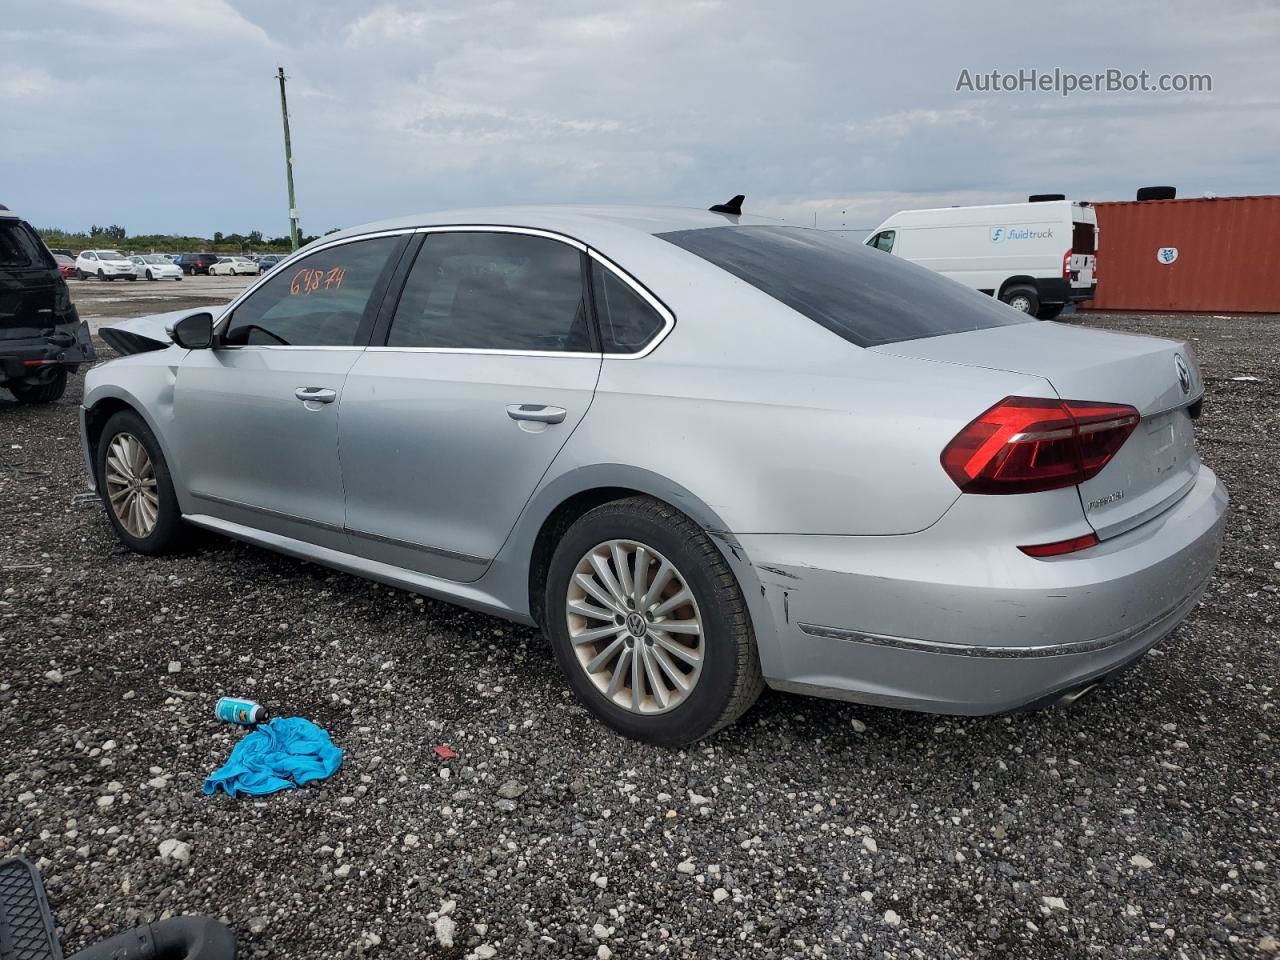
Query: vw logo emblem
pixel 636 625
pixel 1184 372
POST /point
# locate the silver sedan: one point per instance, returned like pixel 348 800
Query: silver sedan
pixel 704 452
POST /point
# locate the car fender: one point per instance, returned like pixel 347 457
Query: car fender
pixel 147 386
pixel 509 575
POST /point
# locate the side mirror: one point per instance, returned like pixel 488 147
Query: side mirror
pixel 194 332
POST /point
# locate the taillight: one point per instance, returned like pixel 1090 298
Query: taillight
pixel 1066 264
pixel 1029 444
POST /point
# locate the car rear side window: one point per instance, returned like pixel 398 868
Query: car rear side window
pixel 850 289
pixel 493 291
pixel 319 302
pixel 627 321
pixel 20 247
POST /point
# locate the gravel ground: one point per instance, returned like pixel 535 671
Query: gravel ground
pixel 1143 822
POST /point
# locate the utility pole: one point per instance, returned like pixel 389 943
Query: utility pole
pixel 288 161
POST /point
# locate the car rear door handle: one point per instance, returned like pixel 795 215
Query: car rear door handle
pixel 535 412
pixel 316 394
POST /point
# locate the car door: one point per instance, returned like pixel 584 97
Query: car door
pixel 259 412
pixel 470 390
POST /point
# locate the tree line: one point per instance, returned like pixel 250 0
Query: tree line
pixel 116 237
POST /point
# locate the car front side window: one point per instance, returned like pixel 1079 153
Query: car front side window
pixel 476 290
pixel 321 302
pixel 884 241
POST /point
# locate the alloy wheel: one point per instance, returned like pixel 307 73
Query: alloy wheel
pixel 131 485
pixel 635 627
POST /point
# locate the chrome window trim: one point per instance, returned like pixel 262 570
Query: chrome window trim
pixel 487 353
pixel 668 317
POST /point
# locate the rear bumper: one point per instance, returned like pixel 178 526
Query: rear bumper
pixel 936 622
pixel 29 358
pixel 1061 290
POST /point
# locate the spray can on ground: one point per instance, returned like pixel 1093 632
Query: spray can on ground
pixel 237 710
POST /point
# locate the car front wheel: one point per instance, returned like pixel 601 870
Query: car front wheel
pixel 1023 299
pixel 134 483
pixel 648 624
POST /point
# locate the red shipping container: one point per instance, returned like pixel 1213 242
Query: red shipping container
pixel 1199 255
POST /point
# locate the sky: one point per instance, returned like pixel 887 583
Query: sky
pixel 165 117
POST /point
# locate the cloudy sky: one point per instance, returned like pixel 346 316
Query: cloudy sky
pixel 164 117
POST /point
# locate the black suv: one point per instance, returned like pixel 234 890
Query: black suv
pixel 42 338
pixel 193 263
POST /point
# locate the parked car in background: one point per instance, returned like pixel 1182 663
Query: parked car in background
pixel 105 265
pixel 42 338
pixel 1039 257
pixel 269 260
pixel 66 265
pixel 234 267
pixel 703 452
pixel 156 267
pixel 196 263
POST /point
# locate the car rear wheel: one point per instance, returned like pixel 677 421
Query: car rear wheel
pixel 80 274
pixel 1023 299
pixel 48 392
pixel 648 624
pixel 136 488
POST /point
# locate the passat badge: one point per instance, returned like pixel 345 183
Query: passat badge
pixel 1184 372
pixel 1167 255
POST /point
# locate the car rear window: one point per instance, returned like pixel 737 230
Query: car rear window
pixel 1082 237
pixel 20 247
pixel 854 291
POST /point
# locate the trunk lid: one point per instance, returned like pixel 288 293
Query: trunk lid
pixel 1158 463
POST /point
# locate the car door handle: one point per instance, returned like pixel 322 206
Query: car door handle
pixel 316 394
pixel 535 412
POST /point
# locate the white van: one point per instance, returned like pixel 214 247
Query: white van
pixel 1038 257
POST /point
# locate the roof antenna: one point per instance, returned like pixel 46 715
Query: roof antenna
pixel 733 207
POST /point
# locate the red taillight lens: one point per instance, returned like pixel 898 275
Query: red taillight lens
pixel 1066 264
pixel 1062 546
pixel 1028 444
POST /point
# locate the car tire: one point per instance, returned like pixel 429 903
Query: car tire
pixel 148 523
pixel 718 662
pixel 80 274
pixel 1022 298
pixel 149 275
pixel 1050 311
pixel 102 276
pixel 133 277
pixel 48 392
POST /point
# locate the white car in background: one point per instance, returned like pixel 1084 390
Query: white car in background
pixel 105 265
pixel 156 267
pixel 234 267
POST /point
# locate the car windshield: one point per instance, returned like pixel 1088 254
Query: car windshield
pixel 856 292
